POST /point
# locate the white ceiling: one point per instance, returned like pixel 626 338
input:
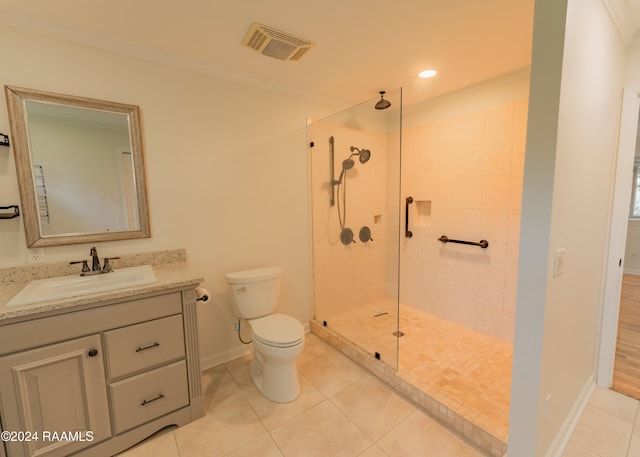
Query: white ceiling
pixel 362 46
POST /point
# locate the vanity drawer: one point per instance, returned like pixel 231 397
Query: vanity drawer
pixel 149 395
pixel 141 346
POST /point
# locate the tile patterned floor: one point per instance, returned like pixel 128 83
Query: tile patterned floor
pixel 608 427
pixel 345 411
pixel 342 411
pixel 467 371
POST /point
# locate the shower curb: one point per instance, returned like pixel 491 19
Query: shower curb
pixel 471 432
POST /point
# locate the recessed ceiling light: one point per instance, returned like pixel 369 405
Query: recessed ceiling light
pixel 427 74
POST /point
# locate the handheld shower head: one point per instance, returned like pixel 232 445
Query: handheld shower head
pixel 347 164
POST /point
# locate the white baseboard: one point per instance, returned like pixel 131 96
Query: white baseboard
pixel 569 425
pixel 234 353
pixel 223 357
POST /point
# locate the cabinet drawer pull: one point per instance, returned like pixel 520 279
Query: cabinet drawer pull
pixel 151 346
pixel 146 402
pixel 92 353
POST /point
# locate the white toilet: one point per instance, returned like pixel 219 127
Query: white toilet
pixel 277 339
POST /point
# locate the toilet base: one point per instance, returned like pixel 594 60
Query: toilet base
pixel 276 378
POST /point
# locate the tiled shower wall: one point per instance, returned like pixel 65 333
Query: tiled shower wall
pixel 348 276
pixel 465 174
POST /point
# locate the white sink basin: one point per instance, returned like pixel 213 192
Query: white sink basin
pixel 72 286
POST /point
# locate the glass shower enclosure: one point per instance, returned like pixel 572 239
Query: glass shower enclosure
pixel 356 213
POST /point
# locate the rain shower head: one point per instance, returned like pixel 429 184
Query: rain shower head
pixel 382 103
pixel 363 154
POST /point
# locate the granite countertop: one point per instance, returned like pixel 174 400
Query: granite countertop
pixel 169 275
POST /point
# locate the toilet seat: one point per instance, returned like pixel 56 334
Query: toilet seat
pixel 277 330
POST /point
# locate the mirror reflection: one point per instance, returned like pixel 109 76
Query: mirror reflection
pixel 80 168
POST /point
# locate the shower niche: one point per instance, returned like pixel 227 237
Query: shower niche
pixel 422 213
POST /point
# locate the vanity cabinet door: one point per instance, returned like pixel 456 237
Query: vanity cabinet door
pixel 54 398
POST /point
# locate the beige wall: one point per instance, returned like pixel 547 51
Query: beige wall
pixel 576 87
pixel 591 95
pixel 226 168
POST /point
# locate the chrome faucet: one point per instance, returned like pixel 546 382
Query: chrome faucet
pixel 96 260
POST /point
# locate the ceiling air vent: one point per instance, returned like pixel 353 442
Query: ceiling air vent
pixel 276 44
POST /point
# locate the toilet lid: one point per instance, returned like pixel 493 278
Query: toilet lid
pixel 277 330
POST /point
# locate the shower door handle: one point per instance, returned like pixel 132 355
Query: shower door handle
pixel 407 202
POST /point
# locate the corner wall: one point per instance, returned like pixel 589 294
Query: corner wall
pixel 577 72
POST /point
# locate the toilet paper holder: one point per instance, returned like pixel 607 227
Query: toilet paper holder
pixel 202 294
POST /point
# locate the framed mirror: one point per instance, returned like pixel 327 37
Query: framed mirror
pixel 80 167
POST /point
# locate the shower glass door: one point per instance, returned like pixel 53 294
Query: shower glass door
pixel 355 180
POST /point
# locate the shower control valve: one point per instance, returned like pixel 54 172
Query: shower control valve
pixel 365 234
pixel 346 236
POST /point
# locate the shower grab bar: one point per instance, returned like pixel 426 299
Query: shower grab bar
pixel 332 177
pixel 484 244
pixel 407 233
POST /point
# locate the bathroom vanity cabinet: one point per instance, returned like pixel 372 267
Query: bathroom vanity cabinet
pixel 96 379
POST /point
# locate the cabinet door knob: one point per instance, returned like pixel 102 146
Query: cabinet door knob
pixel 92 353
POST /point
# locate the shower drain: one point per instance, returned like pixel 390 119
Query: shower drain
pixel 398 333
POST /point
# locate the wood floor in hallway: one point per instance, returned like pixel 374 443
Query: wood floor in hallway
pixel 626 373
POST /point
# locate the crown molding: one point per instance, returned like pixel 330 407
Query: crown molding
pixel 624 19
pixel 140 52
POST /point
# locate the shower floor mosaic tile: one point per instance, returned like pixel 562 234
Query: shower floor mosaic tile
pixel 465 372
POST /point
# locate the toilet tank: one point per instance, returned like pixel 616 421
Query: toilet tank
pixel 256 291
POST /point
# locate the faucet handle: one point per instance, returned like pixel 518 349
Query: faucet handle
pixel 95 260
pixel 85 266
pixel 106 267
